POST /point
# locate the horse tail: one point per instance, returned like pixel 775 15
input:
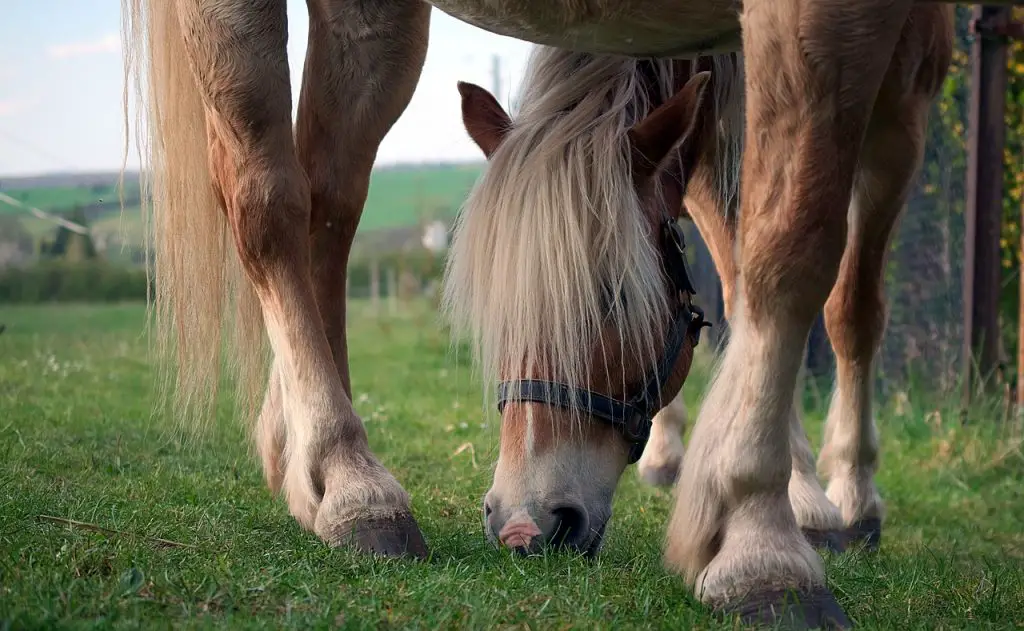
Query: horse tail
pixel 196 284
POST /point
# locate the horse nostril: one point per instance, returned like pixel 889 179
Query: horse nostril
pixel 487 510
pixel 570 525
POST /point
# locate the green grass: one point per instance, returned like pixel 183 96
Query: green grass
pixel 399 197
pixel 402 196
pixel 61 198
pixel 77 442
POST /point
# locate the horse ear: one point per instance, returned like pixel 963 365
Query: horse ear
pixel 653 138
pixel 484 118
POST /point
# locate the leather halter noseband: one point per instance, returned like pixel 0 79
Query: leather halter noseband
pixel 634 417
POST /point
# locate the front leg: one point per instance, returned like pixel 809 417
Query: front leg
pixel 813 72
pixel 817 517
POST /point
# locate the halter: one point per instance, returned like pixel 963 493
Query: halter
pixel 632 417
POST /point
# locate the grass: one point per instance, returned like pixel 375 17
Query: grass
pixel 63 198
pixel 77 442
pixel 400 196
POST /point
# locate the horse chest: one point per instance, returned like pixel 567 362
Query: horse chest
pixel 631 27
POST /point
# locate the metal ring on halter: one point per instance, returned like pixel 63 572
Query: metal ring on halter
pixel 632 418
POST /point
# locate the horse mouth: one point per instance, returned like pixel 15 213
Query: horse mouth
pixel 588 547
pixel 596 541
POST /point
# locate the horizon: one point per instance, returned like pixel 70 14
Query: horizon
pixel 134 172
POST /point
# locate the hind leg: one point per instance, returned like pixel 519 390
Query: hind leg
pixel 855 311
pixel 238 50
pixel 271 432
pixel 362 66
pixel 733 533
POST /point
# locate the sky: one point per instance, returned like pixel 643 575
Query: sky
pixel 61 87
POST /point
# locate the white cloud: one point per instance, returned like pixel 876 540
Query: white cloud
pixel 10 107
pixel 107 44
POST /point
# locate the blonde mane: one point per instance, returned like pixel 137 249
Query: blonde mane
pixel 552 244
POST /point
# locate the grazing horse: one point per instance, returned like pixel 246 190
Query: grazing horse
pixel 581 306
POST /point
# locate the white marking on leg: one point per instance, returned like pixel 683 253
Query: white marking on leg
pixel 733 527
pixel 663 456
pixel 298 485
pixel 812 508
pixel 270 433
pixel 850 455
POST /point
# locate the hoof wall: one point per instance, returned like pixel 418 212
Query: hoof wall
pixel 660 476
pixel 833 541
pixel 866 532
pixel 394 536
pixel 791 610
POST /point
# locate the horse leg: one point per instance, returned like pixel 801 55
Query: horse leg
pixel 271 432
pixel 809 94
pixel 663 455
pixel 855 313
pixel 362 65
pixel 817 517
pixel 267 201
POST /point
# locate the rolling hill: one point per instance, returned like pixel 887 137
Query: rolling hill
pixel 400 197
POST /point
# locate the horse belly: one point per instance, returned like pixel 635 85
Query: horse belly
pixel 664 28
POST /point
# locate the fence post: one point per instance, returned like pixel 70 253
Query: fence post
pixel 392 291
pixel 985 139
pixel 1020 322
pixel 375 286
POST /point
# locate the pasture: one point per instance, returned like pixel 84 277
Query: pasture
pixel 108 519
pixel 400 196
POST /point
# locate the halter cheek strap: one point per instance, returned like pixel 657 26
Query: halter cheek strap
pixel 633 417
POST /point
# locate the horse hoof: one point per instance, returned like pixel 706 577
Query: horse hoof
pixel 661 475
pixel 397 535
pixel 833 541
pixel 866 532
pixel 792 610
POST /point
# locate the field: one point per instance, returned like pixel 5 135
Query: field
pixel 171 533
pixel 400 196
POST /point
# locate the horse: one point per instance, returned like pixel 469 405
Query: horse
pixel 584 311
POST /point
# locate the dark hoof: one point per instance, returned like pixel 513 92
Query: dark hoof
pixel 833 541
pixel 866 532
pixel 791 610
pixel 395 536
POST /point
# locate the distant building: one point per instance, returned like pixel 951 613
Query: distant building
pixel 435 237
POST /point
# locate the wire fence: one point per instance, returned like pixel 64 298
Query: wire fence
pixel 922 345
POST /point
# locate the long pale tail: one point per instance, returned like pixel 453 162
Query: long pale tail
pixel 198 284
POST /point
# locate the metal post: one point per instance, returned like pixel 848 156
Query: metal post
pixel 392 291
pixel 375 286
pixel 1020 323
pixel 986 137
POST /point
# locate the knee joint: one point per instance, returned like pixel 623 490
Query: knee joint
pixel 269 214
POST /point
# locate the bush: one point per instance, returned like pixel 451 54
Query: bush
pixel 62 281
pixel 97 280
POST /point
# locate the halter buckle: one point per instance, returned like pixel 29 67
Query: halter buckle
pixel 633 428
